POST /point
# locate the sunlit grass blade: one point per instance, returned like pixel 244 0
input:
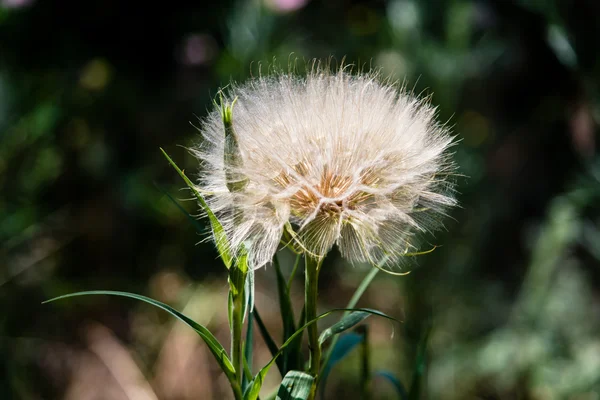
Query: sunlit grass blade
pixel 249 341
pixel 253 389
pixel 387 375
pixel 220 238
pixel 346 322
pixel 248 352
pixel 213 344
pixel 295 386
pixel 249 291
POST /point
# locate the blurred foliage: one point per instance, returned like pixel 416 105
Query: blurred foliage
pixel 89 91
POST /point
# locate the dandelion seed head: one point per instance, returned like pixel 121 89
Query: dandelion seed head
pixel 345 159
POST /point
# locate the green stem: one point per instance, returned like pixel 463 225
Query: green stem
pixel 237 278
pixel 237 391
pixel 311 295
pixel 237 337
pixel 294 269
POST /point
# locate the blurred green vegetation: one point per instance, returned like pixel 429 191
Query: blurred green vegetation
pixel 89 91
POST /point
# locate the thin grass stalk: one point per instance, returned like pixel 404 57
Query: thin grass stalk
pixel 312 268
pixel 237 278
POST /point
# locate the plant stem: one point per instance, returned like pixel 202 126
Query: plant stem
pixel 237 277
pixel 311 295
pixel 293 273
pixel 237 392
pixel 237 322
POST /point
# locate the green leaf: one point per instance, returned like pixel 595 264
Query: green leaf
pixel 230 308
pixel 295 386
pixel 285 303
pixel 287 318
pixel 351 304
pixel 362 287
pixel 231 156
pixel 248 352
pixel 249 292
pixel 193 220
pixel 293 273
pixel 267 338
pixel 387 375
pixel 237 277
pixel 221 240
pixel 213 344
pixel 346 322
pixel 342 348
pixel 253 389
pixel 249 342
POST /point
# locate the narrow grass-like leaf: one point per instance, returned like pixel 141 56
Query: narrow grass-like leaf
pixel 193 220
pixel 287 316
pixel 253 389
pixel 295 386
pixel 342 348
pixel 221 240
pixel 271 345
pixel 237 306
pixel 248 352
pixel 213 344
pixel 387 375
pixel 346 322
pixel 360 290
pixel 249 292
pixel 249 342
pixel 230 308
pixel 285 303
pixel 293 273
pixel 247 374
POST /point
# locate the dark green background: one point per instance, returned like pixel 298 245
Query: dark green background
pixel 89 91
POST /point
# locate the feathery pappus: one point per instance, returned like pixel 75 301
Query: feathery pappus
pixel 333 158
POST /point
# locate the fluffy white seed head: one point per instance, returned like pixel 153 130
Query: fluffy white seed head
pixel 342 158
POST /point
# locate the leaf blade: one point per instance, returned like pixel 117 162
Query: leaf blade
pixel 221 240
pixel 193 220
pixel 295 386
pixel 345 323
pixel 387 375
pixel 268 339
pixel 343 347
pixel 213 344
pixel 287 317
pixel 364 284
pixel 254 388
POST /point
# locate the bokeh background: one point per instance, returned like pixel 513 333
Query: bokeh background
pixel 89 91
